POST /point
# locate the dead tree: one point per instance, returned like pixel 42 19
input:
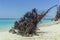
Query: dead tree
pixel 58 14
pixel 28 24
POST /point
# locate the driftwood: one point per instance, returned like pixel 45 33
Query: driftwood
pixel 58 14
pixel 28 24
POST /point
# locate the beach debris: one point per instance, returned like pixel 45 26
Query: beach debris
pixel 58 14
pixel 27 25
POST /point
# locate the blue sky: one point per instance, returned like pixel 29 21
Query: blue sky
pixel 17 8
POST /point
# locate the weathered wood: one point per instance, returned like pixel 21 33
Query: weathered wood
pixel 27 25
pixel 58 14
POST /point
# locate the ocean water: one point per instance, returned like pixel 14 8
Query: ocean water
pixel 7 23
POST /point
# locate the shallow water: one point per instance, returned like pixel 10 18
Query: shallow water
pixel 6 23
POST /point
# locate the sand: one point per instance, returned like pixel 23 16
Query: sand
pixel 51 32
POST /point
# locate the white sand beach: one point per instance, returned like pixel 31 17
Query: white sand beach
pixel 50 32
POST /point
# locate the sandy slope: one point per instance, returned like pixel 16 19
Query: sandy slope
pixel 46 33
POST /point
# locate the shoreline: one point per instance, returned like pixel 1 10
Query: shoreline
pixel 46 33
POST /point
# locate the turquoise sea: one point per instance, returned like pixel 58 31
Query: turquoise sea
pixel 6 23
